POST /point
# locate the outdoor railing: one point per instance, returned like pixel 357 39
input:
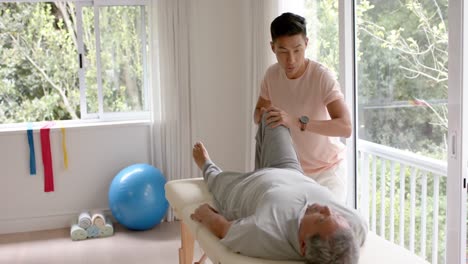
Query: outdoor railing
pixel 403 197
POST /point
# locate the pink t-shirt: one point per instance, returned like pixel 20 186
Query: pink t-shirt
pixel 307 95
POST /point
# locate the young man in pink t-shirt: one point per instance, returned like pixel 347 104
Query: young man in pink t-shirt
pixel 305 97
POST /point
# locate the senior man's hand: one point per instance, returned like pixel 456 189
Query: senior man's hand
pixel 210 217
pixel 203 213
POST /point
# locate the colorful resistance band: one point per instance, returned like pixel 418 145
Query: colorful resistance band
pixel 64 149
pixel 47 159
pixel 32 153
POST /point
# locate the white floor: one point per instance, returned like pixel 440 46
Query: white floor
pixel 158 245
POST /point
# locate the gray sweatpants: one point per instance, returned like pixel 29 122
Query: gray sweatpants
pixel 274 149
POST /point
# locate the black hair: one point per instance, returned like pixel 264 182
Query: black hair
pixel 288 24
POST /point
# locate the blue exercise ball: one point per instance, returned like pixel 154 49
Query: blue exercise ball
pixel 137 198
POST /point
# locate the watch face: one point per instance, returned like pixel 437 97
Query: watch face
pixel 304 119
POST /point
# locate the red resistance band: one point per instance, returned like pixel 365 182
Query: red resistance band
pixel 47 159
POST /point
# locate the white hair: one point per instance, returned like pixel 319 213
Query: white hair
pixel 339 248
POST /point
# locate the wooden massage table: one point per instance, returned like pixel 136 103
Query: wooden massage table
pixel 186 195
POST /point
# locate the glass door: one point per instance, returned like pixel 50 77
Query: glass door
pixel 402 121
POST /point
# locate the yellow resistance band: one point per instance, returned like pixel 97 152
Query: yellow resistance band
pixel 64 148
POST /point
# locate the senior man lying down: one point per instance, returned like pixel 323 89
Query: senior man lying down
pixel 275 212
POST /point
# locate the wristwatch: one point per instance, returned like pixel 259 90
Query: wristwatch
pixel 303 120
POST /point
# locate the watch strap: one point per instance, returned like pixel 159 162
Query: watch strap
pixel 303 126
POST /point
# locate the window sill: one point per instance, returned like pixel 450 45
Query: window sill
pixel 69 124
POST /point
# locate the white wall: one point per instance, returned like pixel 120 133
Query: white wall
pixel 219 64
pixel 96 155
pixel 219 40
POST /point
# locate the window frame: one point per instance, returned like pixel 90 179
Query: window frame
pixel 348 79
pixel 457 133
pixel 101 115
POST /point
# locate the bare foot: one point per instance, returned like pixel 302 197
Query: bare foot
pixel 200 154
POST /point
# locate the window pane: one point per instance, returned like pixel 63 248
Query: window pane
pixel 89 61
pixel 122 58
pixel 121 53
pixel 403 71
pixel 402 113
pixel 322 31
pixel 38 62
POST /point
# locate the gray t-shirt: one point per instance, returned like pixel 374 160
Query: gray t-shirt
pixel 267 207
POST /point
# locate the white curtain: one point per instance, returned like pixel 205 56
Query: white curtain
pixel 263 13
pixel 172 126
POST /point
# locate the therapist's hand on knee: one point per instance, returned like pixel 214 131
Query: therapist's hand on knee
pixel 277 117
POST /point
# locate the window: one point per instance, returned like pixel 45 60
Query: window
pixel 73 60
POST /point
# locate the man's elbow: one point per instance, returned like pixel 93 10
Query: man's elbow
pixel 256 119
pixel 348 130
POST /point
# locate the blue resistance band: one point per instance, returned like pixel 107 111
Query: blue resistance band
pixel 32 155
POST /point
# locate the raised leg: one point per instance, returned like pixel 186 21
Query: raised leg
pixel 274 148
pixel 187 244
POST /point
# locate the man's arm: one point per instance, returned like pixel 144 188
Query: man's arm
pixel 262 103
pixel 211 219
pixel 338 126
